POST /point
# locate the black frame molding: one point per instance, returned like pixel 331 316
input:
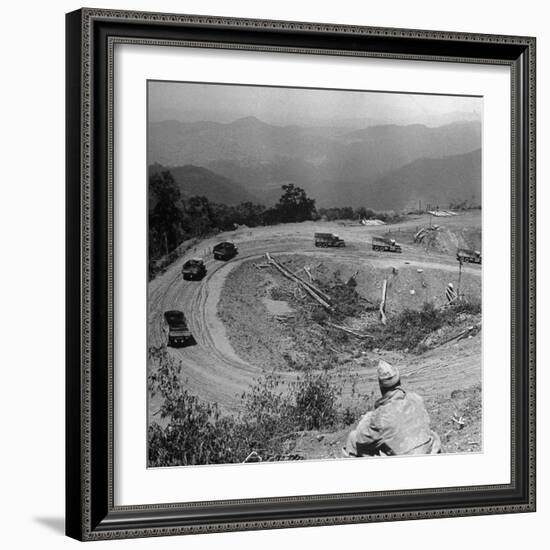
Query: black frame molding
pixel 90 38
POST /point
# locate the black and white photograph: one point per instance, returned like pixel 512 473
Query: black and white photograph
pixel 314 274
pixel 284 256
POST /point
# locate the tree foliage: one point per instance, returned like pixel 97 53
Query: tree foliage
pixel 192 431
pixel 174 218
pixel 294 205
pixel 360 213
pixel 165 220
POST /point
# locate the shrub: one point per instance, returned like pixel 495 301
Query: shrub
pixel 195 432
pixel 408 329
pixel 315 402
pixel 347 302
pixel 471 307
pixel 319 315
pixel 268 415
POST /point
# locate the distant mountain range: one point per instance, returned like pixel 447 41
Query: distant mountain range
pixel 440 181
pixel 384 166
pixel 195 180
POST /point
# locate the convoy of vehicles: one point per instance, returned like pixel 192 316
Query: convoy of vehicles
pixel 386 245
pixel 326 240
pixel 179 334
pixel 225 251
pixel 469 256
pixel 193 269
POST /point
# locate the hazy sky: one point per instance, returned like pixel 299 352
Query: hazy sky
pixel 192 102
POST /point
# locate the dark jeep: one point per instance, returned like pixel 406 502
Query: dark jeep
pixel 193 269
pixel 225 251
pixel 179 334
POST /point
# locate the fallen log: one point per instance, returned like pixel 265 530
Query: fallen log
pixel 462 334
pixel 350 331
pixel 293 277
pixel 318 291
pixel 285 270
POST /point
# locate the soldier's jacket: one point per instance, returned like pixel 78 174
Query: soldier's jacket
pixel 398 425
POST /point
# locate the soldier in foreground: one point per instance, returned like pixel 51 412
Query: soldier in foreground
pixel 398 425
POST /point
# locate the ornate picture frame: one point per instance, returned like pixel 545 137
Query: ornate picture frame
pixel 91 511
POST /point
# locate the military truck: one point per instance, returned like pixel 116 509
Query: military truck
pixel 468 256
pixel 193 269
pixel 179 334
pixel 225 251
pixel 385 245
pixel 325 240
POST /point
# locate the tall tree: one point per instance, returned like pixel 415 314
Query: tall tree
pixel 165 215
pixel 294 205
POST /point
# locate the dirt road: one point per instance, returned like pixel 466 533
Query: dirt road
pixel 211 368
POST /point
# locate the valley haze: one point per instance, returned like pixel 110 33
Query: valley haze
pixel 341 157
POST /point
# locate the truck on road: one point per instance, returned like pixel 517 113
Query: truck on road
pixel 225 251
pixel 179 334
pixel 469 256
pixel 193 269
pixel 328 239
pixel 386 245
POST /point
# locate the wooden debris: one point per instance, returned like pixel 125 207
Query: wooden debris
pixel 298 293
pixel 287 457
pixel 350 331
pixel 458 420
pixel 470 331
pixel 253 457
pixel 382 308
pixel 419 235
pixel 313 291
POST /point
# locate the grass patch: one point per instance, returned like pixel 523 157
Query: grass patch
pixel 408 329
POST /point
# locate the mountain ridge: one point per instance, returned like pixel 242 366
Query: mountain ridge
pixel 256 158
pixel 194 180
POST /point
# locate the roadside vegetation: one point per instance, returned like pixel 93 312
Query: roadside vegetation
pixel 409 329
pixel 175 219
pixel 360 213
pixel 273 416
pixel 308 418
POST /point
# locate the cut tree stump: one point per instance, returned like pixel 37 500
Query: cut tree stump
pixel 382 308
